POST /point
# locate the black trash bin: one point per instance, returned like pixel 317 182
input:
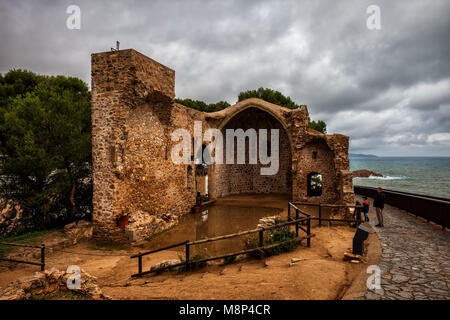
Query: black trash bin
pixel 358 240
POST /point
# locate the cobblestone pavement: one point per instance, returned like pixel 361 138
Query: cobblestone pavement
pixel 415 259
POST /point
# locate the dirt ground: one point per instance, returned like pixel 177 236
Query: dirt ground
pixel 322 275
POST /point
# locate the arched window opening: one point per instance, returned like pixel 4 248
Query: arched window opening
pixel 314 184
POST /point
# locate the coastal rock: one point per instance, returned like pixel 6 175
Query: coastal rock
pixel 365 174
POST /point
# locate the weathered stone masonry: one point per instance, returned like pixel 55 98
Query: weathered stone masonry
pixel 133 116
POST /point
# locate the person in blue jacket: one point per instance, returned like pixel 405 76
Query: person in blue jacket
pixel 365 209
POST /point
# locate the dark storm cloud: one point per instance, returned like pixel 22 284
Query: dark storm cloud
pixel 388 89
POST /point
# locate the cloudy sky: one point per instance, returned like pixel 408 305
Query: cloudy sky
pixel 388 89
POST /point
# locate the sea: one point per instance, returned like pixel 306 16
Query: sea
pixel 420 175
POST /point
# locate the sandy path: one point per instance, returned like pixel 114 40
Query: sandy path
pixel 323 275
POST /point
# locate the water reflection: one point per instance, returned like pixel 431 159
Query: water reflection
pixel 216 221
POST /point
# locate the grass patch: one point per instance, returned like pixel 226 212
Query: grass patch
pixel 60 296
pixel 280 236
pixel 4 250
pixel 273 236
pixel 27 238
pixel 107 248
pixel 74 296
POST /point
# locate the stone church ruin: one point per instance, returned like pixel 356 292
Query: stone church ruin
pixel 133 117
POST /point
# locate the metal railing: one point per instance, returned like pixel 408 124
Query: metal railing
pixel 261 247
pixel 41 247
pixel 429 208
pixel 356 211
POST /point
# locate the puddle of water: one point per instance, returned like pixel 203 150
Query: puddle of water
pixel 218 220
pixel 215 221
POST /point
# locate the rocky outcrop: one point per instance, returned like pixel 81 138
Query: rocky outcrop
pixel 79 230
pixel 365 174
pixel 163 264
pixel 10 218
pixel 51 283
pixel 268 221
pixel 73 233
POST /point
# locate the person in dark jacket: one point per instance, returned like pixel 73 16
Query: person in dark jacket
pixel 378 203
pixel 365 209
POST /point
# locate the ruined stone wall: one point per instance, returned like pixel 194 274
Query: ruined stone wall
pixel 246 178
pixel 316 157
pixel 133 117
pixel 155 191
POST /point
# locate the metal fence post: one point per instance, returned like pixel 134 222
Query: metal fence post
pixel 187 256
pixel 261 238
pixel 320 215
pixel 289 211
pixel 308 232
pixel 296 224
pixel 140 264
pixel 43 257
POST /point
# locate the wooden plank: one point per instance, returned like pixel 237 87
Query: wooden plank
pixel 325 205
pixel 22 261
pixel 246 232
pixel 187 257
pixel 337 220
pixel 43 257
pixel 20 245
pixel 160 249
pixel 308 232
pixel 224 256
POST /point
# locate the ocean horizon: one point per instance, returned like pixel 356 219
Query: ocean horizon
pixel 420 175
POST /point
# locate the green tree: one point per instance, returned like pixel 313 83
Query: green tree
pixel 45 143
pixel 269 95
pixel 280 99
pixel 318 125
pixel 202 106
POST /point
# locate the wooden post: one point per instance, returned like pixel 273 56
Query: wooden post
pixel 140 264
pixel 187 256
pixel 320 215
pixel 358 217
pixel 261 238
pixel 296 224
pixel 331 216
pixel 308 232
pixel 43 257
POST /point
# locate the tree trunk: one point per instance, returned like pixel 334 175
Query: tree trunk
pixel 72 200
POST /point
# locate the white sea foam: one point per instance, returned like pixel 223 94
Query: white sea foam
pixel 384 178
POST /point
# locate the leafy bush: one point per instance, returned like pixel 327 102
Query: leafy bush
pixel 265 94
pixel 273 236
